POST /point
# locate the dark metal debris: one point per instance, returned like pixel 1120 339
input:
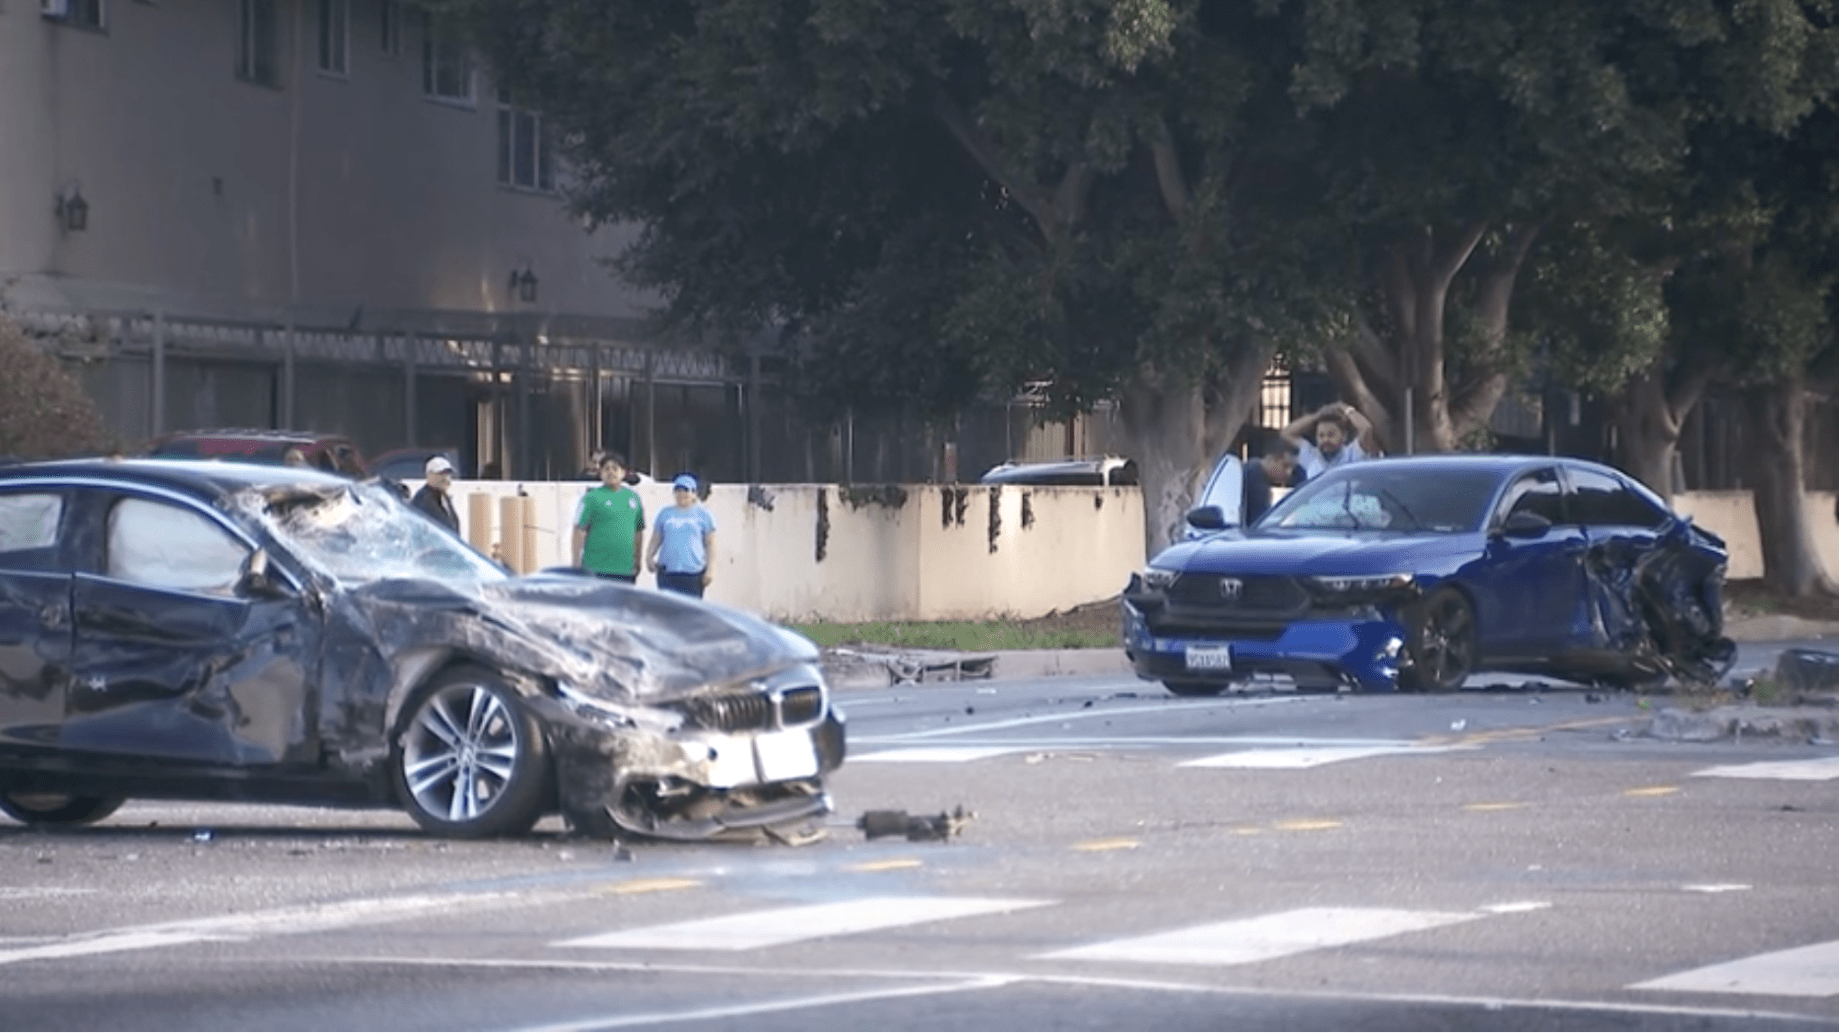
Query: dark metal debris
pixel 897 823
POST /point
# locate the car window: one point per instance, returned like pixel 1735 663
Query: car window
pixel 1536 493
pixel 1360 496
pixel 171 547
pixel 1600 500
pixel 29 521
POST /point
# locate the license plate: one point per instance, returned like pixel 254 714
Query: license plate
pixel 1210 658
pixel 785 755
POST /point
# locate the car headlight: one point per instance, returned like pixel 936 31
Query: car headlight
pixel 1159 579
pixel 1364 583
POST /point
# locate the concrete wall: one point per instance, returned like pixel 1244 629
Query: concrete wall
pixel 219 196
pixel 923 552
pixel 931 552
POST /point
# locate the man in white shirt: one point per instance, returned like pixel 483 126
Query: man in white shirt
pixel 1342 436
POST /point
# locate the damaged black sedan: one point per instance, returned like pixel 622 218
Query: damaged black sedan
pixel 1418 572
pixel 235 632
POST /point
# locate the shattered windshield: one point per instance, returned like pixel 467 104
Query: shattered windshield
pixel 360 533
pixel 1364 497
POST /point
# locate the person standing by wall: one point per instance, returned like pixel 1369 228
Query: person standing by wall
pixel 433 498
pixel 683 542
pixel 610 527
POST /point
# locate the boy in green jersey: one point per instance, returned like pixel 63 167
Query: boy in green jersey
pixel 610 525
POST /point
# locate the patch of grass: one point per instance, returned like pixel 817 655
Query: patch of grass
pixel 995 634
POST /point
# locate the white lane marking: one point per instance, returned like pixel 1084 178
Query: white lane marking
pixel 1093 713
pixel 17 893
pixel 935 754
pixel 240 926
pixel 1812 970
pixel 1305 757
pixel 767 927
pixel 1263 937
pixel 1804 769
pixel 1503 908
pixel 1714 889
pixel 651 1020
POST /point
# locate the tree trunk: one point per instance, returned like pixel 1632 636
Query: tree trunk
pixel 1776 415
pixel 1647 431
pixel 1396 371
pixel 1164 419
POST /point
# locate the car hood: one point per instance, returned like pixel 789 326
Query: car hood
pixel 602 638
pixel 1319 552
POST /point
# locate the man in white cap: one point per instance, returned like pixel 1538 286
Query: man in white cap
pixel 432 498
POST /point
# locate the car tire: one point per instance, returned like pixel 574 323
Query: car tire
pixel 1193 689
pixel 469 760
pixel 57 810
pixel 1442 643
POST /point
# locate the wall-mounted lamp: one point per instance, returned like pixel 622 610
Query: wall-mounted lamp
pixel 523 283
pixel 72 210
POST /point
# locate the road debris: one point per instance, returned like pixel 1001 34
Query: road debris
pixel 877 823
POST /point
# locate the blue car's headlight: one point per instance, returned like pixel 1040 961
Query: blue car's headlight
pixel 1159 579
pixel 1364 584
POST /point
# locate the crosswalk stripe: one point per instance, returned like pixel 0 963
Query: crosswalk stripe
pixel 933 754
pixel 1263 937
pixel 1812 970
pixel 1802 769
pixel 769 927
pixel 1305 757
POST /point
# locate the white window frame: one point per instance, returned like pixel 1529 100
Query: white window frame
pixel 332 24
pixel 434 65
pixel 83 14
pixel 389 25
pixel 514 124
pixel 249 44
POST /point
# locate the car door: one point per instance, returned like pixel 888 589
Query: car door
pixel 1623 525
pixel 175 657
pixel 1533 594
pixel 1225 489
pixel 35 628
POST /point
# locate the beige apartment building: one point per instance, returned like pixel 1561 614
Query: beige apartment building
pixel 323 214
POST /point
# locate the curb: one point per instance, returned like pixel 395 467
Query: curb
pixel 1813 724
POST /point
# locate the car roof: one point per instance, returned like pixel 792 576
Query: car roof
pixel 203 478
pixel 254 435
pixel 1501 463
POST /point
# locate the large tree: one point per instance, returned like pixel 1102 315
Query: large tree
pixel 1140 200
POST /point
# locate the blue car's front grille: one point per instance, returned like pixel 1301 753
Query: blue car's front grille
pixel 1251 594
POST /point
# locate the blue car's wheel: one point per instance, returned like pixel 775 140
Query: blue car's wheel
pixel 57 810
pixel 1442 643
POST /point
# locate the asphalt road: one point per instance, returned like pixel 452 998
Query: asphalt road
pixel 1499 859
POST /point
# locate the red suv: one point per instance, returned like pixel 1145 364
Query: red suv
pixel 334 453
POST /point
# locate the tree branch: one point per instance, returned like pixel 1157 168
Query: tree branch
pixel 1169 177
pixel 983 151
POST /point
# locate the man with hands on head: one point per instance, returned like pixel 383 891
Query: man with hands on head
pixel 1342 436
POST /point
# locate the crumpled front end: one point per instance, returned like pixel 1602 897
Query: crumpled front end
pixel 739 757
pixel 1203 629
pixel 1661 605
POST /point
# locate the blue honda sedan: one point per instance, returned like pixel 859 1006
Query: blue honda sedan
pixel 1417 572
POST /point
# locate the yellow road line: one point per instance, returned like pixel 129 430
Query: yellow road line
pixel 1648 792
pixel 1106 844
pixel 880 865
pixel 1493 806
pixel 1308 824
pixel 648 884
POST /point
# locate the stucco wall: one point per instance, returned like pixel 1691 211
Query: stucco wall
pixel 930 552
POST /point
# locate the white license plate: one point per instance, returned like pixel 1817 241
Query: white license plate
pixel 785 755
pixel 1210 659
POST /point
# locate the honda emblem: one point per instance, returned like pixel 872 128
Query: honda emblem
pixel 1231 588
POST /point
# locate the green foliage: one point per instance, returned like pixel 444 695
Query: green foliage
pixel 44 412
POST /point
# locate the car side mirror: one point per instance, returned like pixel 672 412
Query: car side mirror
pixel 1525 525
pixel 254 581
pixel 1211 518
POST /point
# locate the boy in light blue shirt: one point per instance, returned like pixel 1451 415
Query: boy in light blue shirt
pixel 683 542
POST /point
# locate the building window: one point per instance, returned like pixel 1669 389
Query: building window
pixel 389 13
pixel 255 42
pixel 334 36
pixel 524 153
pixel 446 68
pixel 86 13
